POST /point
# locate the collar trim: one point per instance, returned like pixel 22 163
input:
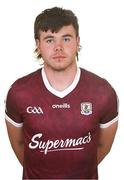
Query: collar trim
pixel 65 92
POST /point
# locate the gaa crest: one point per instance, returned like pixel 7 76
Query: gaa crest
pixel 86 108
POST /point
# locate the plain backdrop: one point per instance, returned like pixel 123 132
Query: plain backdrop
pixel 102 41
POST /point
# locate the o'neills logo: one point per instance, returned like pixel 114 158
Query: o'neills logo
pixel 58 145
pixel 61 106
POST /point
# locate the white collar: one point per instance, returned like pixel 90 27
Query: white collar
pixel 65 92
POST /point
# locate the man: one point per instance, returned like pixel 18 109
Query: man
pixel 61 119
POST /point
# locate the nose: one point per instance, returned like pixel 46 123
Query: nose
pixel 58 46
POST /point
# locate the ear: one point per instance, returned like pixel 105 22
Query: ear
pixel 37 43
pixel 37 50
pixel 78 43
pixel 78 40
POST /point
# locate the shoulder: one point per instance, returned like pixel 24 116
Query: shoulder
pixel 25 84
pixel 98 87
pixel 96 82
pixel 91 77
pixel 27 80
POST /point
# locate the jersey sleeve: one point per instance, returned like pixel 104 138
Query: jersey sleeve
pixel 12 111
pixel 109 113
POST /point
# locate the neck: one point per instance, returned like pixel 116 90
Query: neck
pixel 60 80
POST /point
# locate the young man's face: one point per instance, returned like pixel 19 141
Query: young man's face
pixel 59 49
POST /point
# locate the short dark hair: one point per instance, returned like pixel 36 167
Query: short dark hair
pixel 54 19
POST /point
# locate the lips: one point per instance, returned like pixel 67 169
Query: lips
pixel 59 57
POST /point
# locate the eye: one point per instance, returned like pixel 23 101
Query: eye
pixel 67 39
pixel 49 40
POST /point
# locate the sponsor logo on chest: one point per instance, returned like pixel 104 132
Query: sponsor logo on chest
pixel 69 144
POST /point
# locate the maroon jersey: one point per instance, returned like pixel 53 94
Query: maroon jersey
pixel 61 129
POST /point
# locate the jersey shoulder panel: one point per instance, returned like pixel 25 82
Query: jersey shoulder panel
pixel 97 84
pixel 28 80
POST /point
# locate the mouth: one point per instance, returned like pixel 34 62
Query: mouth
pixel 59 57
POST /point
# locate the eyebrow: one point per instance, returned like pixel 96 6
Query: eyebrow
pixel 67 35
pixel 47 37
pixel 50 36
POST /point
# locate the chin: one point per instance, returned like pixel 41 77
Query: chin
pixel 59 66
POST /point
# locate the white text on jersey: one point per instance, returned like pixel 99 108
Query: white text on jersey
pixel 58 145
pixel 61 106
pixel 34 110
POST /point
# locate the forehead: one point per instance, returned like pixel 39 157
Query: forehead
pixel 63 31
